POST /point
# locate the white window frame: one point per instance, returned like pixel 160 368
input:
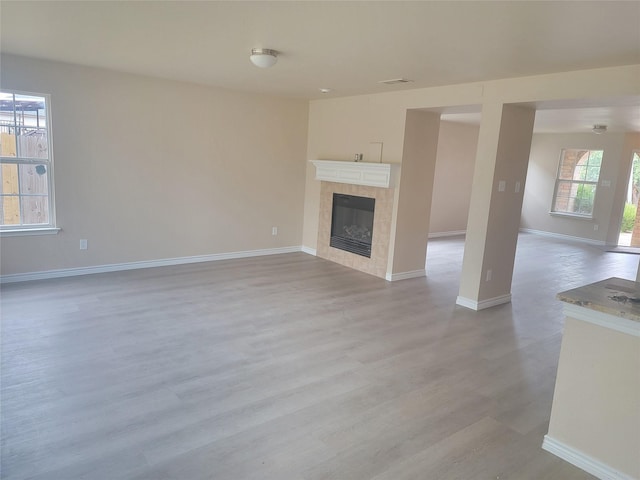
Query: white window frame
pixel 41 228
pixel 558 180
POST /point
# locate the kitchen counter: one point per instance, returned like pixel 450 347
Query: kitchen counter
pixel 595 415
pixel 613 296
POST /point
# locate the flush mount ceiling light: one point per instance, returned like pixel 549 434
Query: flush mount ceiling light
pixel 395 81
pixel 263 57
pixel 325 90
pixel 599 129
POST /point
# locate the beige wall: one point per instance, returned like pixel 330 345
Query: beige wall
pixel 128 148
pixel 543 166
pixel 414 199
pixel 457 144
pixel 504 143
pixel 340 127
pixel 148 169
pixel 597 393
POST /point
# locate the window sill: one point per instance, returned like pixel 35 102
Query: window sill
pixel 571 215
pixel 19 232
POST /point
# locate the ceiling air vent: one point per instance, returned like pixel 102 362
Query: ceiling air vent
pixel 395 81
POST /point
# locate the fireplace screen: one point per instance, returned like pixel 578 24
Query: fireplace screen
pixel 352 224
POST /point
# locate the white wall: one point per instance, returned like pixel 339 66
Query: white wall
pixel 148 169
pixel 541 175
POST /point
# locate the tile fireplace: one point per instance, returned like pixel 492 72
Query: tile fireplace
pixel 376 262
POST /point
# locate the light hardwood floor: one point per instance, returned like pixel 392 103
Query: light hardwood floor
pixel 288 367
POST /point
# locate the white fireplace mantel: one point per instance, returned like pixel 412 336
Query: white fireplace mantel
pixel 383 175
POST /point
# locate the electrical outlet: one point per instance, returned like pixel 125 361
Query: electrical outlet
pixel 517 187
pixel 83 244
pixel 595 227
pixel 502 185
pixel 489 275
pixel 274 231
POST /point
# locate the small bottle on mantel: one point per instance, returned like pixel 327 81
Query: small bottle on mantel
pixel 358 157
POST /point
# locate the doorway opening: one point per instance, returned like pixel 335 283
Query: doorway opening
pixel 630 225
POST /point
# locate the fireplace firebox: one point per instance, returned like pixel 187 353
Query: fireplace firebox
pixel 352 224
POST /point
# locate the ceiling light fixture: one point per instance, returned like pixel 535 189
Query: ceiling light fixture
pixel 263 57
pixel 599 129
pixel 325 90
pixel 395 81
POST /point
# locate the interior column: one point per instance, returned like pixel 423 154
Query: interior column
pixel 504 143
pixel 408 248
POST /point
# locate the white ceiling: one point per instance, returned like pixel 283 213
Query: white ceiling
pixel 346 46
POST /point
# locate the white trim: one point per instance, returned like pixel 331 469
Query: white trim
pixel 452 233
pixel 116 267
pixel 51 194
pixel 393 277
pixel 582 460
pixel 467 303
pixel 382 175
pixel 563 237
pixel 310 251
pixel 29 231
pixel 606 320
pixel 482 304
pixel 574 216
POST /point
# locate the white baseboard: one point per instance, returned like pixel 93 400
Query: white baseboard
pixel 482 304
pixel 582 460
pixel 310 251
pixel 453 233
pixel 115 267
pixel 560 236
pixel 467 303
pixel 392 277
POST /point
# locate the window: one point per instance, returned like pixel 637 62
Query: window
pixel 26 177
pixel 576 182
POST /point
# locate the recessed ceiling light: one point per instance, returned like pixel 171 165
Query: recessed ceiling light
pixel 395 81
pixel 325 90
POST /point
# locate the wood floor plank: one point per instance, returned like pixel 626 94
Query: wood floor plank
pixel 287 367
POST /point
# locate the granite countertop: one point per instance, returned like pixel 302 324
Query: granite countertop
pixel 615 296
